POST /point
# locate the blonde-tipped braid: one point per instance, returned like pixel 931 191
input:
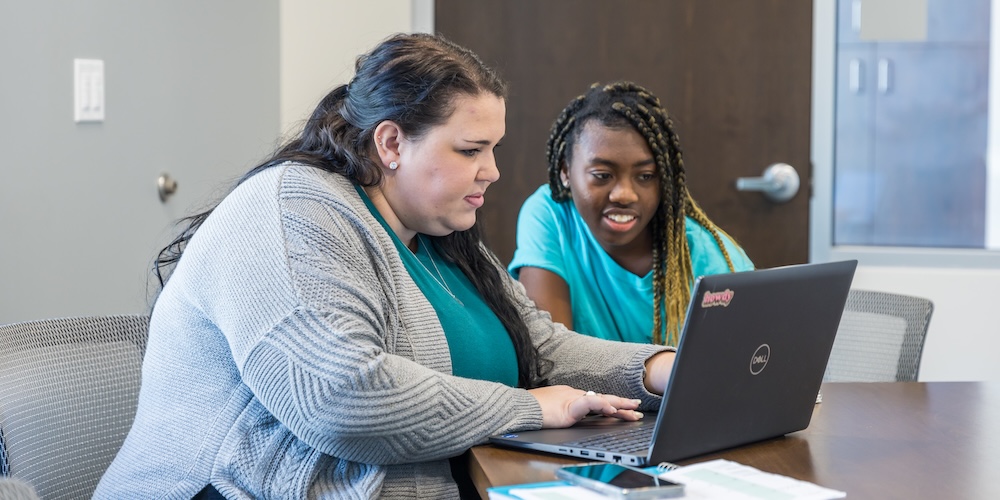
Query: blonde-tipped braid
pixel 625 103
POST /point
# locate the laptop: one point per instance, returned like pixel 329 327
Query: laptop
pixel 749 366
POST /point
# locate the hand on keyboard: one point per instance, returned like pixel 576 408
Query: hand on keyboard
pixel 563 406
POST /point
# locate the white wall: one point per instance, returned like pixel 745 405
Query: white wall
pixel 191 89
pixel 198 90
pixel 963 342
pixel 320 40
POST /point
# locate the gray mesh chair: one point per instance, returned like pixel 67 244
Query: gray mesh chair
pixel 881 338
pixel 68 395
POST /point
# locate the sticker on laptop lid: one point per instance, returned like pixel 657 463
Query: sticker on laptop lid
pixel 712 299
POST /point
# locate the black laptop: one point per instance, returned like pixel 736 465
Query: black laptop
pixel 749 366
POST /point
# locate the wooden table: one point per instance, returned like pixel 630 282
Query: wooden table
pixel 937 440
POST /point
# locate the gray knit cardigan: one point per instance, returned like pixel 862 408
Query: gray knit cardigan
pixel 291 356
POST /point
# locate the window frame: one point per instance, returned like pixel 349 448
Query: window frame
pixel 821 247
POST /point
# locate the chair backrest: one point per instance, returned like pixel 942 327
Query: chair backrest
pixel 881 338
pixel 68 395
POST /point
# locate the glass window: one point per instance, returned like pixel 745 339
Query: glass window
pixel 911 123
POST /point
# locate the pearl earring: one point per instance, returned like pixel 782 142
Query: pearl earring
pixel 393 165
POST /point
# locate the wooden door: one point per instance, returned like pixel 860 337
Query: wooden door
pixel 736 77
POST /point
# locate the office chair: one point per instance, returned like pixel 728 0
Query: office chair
pixel 880 339
pixel 68 394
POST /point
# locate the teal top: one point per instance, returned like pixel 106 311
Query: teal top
pixel 607 300
pixel 478 342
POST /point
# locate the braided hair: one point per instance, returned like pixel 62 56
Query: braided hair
pixel 624 104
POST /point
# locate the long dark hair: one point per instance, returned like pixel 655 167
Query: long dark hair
pixel 413 80
pixel 627 105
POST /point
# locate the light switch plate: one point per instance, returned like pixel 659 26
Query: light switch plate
pixel 88 90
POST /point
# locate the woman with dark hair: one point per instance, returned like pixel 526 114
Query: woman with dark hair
pixel 612 245
pixel 335 328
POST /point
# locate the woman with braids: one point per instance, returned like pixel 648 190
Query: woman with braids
pixel 333 328
pixel 612 245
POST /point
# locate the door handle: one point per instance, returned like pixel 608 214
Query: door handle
pixel 779 183
pixel 854 75
pixel 165 186
pixel 884 74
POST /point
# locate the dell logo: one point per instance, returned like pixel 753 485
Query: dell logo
pixel 759 359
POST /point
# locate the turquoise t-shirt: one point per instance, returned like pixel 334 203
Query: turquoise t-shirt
pixel 478 342
pixel 607 300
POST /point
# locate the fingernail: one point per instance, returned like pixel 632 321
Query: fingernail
pixel 637 401
pixel 639 414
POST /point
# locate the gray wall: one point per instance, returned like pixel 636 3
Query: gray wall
pixel 191 89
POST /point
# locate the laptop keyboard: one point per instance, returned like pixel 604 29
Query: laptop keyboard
pixel 631 441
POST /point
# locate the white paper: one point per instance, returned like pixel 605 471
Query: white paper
pixel 726 479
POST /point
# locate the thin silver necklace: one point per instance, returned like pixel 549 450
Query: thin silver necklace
pixel 440 281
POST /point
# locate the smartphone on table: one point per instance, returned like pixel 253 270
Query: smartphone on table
pixel 619 481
